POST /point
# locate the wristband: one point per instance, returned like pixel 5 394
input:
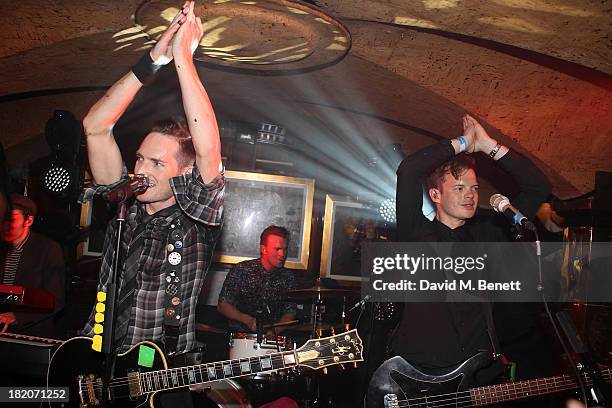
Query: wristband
pixel 462 143
pixel 145 69
pixel 495 150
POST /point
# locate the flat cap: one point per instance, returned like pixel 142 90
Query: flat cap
pixel 19 202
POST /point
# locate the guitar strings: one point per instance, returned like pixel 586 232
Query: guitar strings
pixel 437 401
pixel 464 398
pixel 123 381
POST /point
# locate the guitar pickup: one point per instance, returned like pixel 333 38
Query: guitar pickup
pixel 134 384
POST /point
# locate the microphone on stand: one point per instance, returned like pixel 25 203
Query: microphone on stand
pixel 360 303
pixel 501 204
pixel 123 191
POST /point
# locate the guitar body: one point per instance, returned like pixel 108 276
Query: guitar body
pixel 141 372
pixel 75 358
pixel 397 376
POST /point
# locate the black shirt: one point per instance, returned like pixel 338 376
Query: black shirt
pixel 443 334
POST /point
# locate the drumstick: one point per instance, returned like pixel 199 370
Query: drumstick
pixel 289 323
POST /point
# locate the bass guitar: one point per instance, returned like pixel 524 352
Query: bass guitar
pixel 396 383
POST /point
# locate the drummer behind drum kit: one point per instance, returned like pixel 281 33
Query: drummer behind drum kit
pixel 248 345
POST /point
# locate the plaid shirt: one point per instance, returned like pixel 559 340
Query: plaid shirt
pixel 200 208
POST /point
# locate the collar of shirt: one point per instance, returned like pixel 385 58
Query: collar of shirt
pixel 22 243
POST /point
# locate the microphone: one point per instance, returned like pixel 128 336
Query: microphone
pixel 360 303
pixel 501 204
pixel 135 184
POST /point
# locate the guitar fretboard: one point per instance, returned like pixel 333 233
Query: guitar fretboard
pixel 529 388
pixel 184 376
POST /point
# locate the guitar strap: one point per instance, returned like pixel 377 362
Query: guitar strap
pixel 173 303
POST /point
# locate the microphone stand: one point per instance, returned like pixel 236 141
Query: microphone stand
pixel 540 287
pixel 368 341
pixel 108 339
pixel 599 390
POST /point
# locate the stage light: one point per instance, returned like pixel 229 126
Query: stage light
pixel 63 134
pixel 387 210
pixel 57 179
pixel 386 312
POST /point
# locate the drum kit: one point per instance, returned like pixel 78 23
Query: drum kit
pixel 246 345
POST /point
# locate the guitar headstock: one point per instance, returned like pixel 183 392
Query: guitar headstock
pixel 345 347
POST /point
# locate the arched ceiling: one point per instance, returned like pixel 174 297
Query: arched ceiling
pixel 538 72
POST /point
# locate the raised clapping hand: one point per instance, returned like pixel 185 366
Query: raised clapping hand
pixel 161 53
pixel 482 142
pixel 469 134
pixel 188 35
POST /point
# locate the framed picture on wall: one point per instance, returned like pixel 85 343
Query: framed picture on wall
pixel 348 224
pixel 254 201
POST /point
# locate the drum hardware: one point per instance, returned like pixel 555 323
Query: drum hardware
pixel 318 294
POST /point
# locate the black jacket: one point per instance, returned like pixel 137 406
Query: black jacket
pixel 41 265
pixel 444 334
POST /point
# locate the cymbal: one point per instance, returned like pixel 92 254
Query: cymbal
pixel 203 327
pixel 318 291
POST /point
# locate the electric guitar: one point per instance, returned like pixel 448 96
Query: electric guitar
pixel 396 384
pixel 142 371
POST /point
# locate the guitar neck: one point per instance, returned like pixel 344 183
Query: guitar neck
pixel 161 380
pixel 526 389
pixel 315 354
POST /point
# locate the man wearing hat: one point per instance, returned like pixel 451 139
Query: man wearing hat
pixel 30 260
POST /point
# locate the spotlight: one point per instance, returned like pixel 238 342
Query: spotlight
pixel 387 210
pixel 57 179
pixel 63 133
pixel 386 312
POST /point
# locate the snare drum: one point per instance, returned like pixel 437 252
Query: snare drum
pixel 245 345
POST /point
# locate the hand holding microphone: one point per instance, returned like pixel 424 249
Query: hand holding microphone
pixel 128 188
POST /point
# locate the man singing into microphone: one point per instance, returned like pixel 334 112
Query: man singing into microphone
pixel 171 228
pixel 437 335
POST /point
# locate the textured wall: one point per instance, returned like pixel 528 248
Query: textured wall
pixel 535 85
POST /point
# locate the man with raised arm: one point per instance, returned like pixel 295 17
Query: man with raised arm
pixel 440 335
pixel 171 228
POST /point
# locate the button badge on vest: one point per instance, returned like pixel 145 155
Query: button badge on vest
pixel 174 258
